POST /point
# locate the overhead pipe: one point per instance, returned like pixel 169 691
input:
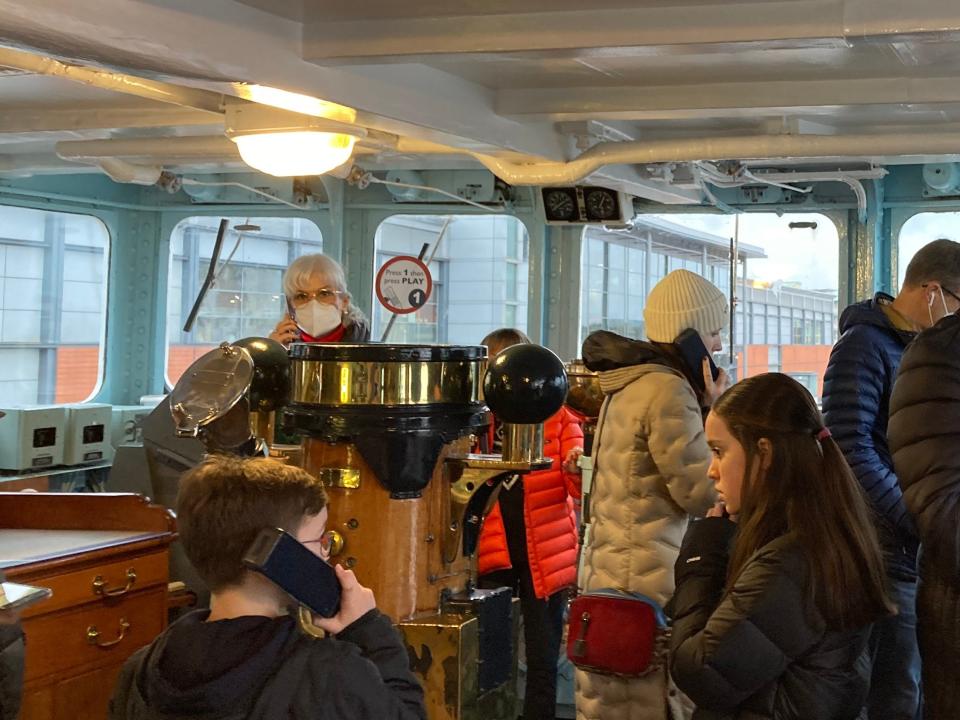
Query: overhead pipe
pixel 756 147
pixel 29 163
pixel 193 147
pixel 119 82
pixel 852 178
pixel 123 172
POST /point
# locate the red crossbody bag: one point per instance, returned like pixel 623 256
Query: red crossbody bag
pixel 617 633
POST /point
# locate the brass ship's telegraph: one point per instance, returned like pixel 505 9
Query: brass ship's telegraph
pixel 389 430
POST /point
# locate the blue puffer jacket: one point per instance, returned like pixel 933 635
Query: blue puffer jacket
pixel 856 399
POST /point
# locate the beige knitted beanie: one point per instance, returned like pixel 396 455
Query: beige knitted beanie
pixel 684 300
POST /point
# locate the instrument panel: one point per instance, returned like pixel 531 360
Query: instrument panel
pixel 582 205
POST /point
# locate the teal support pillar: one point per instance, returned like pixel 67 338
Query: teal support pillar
pixel 865 264
pixel 537 280
pixel 561 291
pixel 335 227
pixel 135 348
pixel 357 257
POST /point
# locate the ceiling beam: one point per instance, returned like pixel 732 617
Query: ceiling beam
pixel 729 99
pixel 47 119
pixel 625 31
pixel 217 42
pixel 562 33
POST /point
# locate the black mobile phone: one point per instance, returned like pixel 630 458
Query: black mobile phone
pixel 693 351
pixel 293 316
pixel 307 578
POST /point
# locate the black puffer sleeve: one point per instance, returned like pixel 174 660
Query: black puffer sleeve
pixel 924 433
pixel 376 683
pixel 726 649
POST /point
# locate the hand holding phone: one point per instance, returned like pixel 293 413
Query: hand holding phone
pixel 286 331
pixel 355 602
pixel 694 352
pixel 713 387
pixel 290 565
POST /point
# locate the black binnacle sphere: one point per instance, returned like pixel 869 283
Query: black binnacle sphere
pixel 525 384
pixel 270 386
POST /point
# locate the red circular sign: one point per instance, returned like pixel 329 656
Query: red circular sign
pixel 404 284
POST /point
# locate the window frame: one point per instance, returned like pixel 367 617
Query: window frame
pixel 54 251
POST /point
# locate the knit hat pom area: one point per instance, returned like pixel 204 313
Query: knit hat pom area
pixel 684 300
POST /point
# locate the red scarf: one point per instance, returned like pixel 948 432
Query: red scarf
pixel 335 335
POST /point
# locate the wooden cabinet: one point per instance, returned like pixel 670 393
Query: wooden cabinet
pixel 105 556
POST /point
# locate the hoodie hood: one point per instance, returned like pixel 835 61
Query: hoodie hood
pixel 621 360
pixel 212 669
pixel 870 312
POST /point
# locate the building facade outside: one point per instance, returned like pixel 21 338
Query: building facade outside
pixel 777 327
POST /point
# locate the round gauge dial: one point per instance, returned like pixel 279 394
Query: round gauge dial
pixel 601 204
pixel 559 205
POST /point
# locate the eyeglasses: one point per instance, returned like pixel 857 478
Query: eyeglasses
pixel 326 296
pixel 946 290
pixel 325 540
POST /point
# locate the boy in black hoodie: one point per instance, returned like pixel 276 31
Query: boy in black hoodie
pixel 246 657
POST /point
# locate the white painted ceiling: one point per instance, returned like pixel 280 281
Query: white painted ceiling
pixel 533 82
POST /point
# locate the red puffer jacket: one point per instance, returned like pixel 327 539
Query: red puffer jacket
pixel 547 512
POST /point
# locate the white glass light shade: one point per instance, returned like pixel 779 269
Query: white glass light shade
pixel 285 154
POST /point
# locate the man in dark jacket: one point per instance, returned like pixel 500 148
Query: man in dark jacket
pixel 925 440
pixel 856 398
pixel 246 657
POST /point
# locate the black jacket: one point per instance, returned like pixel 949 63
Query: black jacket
pixel 856 398
pixel 924 437
pixel 260 668
pixel 357 330
pixel 761 653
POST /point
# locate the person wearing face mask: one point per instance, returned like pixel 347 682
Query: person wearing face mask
pixel 924 435
pixel 856 396
pixel 319 307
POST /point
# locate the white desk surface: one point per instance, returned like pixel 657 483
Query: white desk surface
pixel 18 547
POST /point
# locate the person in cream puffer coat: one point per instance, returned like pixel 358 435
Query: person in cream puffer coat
pixel 651 460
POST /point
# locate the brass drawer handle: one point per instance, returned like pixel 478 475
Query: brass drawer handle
pixel 93 635
pixel 100 585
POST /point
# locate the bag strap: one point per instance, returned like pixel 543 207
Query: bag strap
pixel 614 593
pixel 586 503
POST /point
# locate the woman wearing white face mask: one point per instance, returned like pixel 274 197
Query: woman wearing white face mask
pixel 319 307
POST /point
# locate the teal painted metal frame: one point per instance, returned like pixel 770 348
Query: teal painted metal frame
pixel 139 222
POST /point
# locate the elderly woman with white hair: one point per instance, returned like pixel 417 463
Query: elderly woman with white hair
pixel 319 307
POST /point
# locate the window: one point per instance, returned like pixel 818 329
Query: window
pixel 921 229
pixel 615 274
pixel 480 276
pixel 773 328
pixel 759 321
pixel 809 381
pixel 788 299
pixel 247 296
pixel 53 282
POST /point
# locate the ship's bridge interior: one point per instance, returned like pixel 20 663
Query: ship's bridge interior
pixel 152 110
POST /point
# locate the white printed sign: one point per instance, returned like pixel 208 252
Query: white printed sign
pixel 404 285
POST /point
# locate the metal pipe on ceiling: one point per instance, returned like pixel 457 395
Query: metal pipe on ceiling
pixel 119 82
pixel 758 147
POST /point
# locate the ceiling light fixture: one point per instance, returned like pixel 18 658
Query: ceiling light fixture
pixel 285 144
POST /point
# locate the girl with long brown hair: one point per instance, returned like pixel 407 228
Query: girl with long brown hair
pixel 777 589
